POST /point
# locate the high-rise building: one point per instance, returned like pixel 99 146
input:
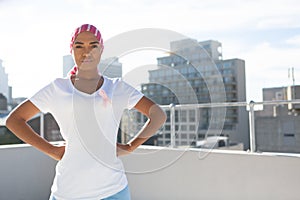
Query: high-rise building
pixel 10 99
pixel 110 67
pixel 195 73
pixel 277 126
pixel 3 103
pixel 68 64
pixel 4 82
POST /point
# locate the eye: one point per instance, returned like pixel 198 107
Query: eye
pixel 94 46
pixel 78 47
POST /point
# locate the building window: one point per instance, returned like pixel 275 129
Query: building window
pixel 183 116
pixel 184 70
pixel 227 71
pixel 184 143
pixel 183 127
pixel 183 136
pixel 168 115
pixel 227 79
pixel 228 127
pixel 192 128
pixel 201 136
pixel 192 116
pixel 191 70
pixel 193 137
pixel 167 127
pixel 197 82
pixel 226 65
pixel 165 92
pixel 289 139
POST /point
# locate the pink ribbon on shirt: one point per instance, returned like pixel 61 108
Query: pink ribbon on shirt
pixel 104 96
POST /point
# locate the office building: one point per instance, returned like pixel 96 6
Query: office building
pixel 195 73
pixel 110 67
pixel 277 127
pixel 3 103
pixel 4 81
pixel 68 64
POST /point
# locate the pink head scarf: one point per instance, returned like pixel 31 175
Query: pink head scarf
pixel 80 29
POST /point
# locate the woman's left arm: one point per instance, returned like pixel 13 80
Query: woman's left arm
pixel 156 118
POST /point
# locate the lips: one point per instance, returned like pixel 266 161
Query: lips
pixel 87 61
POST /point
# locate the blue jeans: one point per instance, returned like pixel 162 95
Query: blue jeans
pixel 122 195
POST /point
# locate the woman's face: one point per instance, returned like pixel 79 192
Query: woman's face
pixel 86 51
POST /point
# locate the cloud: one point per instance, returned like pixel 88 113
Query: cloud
pixel 279 22
pixel 267 66
pixel 294 41
pixel 268 57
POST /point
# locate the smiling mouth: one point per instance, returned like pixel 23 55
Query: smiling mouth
pixel 87 61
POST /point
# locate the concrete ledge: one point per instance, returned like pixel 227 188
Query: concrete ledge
pixel 163 173
pixel 197 174
pixel 26 173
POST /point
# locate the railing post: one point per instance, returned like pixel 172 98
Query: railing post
pixel 172 125
pixel 252 127
pixel 42 133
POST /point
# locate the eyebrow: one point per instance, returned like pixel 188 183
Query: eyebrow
pixel 95 42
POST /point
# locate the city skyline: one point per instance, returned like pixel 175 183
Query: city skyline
pixel 266 36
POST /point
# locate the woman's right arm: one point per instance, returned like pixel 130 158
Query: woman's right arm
pixel 17 123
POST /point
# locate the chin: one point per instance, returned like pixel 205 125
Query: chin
pixel 87 66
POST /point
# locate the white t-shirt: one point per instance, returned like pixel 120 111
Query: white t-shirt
pixel 89 123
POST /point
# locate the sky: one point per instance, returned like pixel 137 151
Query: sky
pixel 35 35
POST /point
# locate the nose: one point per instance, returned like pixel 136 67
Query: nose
pixel 87 52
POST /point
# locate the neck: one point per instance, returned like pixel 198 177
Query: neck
pixel 88 74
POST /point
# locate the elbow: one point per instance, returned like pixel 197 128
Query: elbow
pixel 159 114
pixel 164 116
pixel 9 121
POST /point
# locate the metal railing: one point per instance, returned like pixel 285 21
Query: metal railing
pixel 172 108
pixel 250 110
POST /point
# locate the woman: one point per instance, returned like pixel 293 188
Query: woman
pixel 88 107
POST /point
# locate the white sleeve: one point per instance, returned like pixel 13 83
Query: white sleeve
pixel 43 98
pixel 133 96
